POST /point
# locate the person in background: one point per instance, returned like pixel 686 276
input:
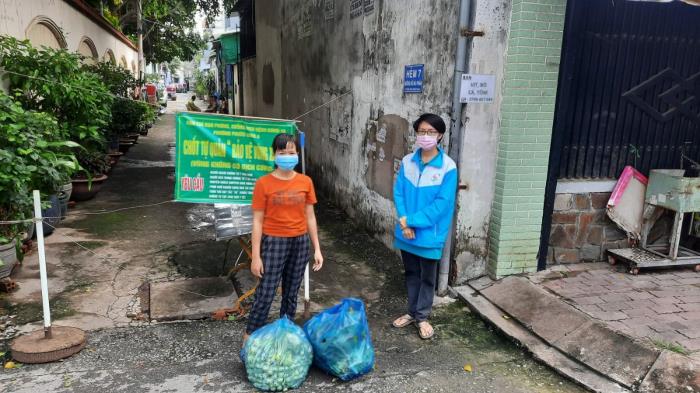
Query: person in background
pixel 424 195
pixel 283 223
pixel 191 106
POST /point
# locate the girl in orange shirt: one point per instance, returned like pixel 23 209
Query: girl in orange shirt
pixel 283 222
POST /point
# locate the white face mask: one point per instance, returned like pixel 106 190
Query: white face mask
pixel 426 142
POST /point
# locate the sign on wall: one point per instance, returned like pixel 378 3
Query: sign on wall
pixel 477 88
pixel 356 8
pixel 413 78
pixel 219 158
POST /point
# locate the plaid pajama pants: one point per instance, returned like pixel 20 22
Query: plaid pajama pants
pixel 284 259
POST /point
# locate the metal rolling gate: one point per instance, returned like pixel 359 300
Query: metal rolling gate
pixel 628 93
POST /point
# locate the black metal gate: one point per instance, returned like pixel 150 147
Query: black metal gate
pixel 628 94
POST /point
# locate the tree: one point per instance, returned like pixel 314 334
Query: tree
pixel 168 24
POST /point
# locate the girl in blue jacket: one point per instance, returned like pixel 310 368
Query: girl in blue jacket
pixel 424 195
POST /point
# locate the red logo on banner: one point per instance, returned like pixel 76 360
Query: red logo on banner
pixel 192 183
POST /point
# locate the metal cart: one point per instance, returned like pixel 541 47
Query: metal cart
pixel 668 189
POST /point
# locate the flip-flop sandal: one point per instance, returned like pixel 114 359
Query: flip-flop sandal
pixel 406 320
pixel 420 331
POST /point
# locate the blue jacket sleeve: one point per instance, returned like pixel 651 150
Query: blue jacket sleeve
pixel 399 201
pixel 443 204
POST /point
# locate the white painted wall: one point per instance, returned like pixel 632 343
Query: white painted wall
pixel 16 16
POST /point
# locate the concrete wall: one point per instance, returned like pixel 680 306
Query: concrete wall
pixel 249 86
pixel 17 16
pixel 356 64
pixel 318 53
pixel 480 141
pixel 268 70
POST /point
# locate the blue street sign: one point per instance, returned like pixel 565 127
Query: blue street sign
pixel 413 78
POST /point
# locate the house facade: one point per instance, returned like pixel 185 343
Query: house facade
pixel 71 25
pixel 567 93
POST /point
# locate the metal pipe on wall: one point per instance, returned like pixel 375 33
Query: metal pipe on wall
pixel 461 66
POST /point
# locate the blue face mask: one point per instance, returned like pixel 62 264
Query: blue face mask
pixel 286 162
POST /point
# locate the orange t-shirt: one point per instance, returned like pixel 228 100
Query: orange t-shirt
pixel 284 203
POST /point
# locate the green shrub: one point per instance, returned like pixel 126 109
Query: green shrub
pixel 54 81
pixel 32 156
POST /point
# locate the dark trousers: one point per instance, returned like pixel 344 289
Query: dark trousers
pixel 420 284
pixel 284 259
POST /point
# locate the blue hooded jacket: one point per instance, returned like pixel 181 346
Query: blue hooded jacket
pixel 425 194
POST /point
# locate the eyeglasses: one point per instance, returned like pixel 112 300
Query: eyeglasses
pixel 424 132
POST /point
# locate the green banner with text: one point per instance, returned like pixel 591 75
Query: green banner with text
pixel 218 158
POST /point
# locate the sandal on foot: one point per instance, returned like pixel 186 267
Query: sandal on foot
pixel 403 321
pixel 425 335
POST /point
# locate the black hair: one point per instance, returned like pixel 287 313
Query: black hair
pixel 434 120
pixel 282 140
pixel 194 98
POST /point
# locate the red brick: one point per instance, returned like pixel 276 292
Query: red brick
pixel 599 200
pixel 584 223
pixel 595 235
pixel 582 201
pixel 564 218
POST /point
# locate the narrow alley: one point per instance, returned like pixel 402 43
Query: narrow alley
pixel 99 261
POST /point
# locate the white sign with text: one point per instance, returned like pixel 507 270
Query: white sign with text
pixel 477 88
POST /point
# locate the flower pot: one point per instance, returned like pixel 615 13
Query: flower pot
pixel 64 196
pixel 8 255
pixel 113 145
pixel 51 215
pixel 31 231
pixel 125 146
pixel 82 191
pixel 133 136
pixel 114 157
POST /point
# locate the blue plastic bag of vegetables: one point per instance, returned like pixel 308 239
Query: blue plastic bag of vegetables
pixel 341 340
pixel 277 356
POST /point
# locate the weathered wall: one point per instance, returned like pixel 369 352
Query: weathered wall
pixel 354 142
pixel 321 52
pixel 480 142
pixel 16 16
pixel 249 86
pixel 268 70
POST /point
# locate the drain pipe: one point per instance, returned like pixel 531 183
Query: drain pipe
pixel 461 61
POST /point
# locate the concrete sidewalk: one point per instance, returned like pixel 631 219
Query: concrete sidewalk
pixel 604 328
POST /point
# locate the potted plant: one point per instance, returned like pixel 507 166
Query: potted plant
pixel 68 91
pixel 31 158
pixel 114 157
pixel 87 184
